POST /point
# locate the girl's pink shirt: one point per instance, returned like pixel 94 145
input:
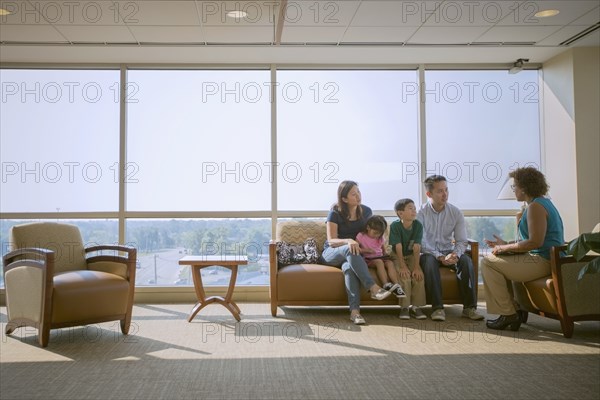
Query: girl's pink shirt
pixel 376 244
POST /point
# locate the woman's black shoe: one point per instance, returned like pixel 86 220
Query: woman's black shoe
pixel 513 321
pixel 523 315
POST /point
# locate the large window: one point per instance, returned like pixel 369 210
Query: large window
pixel 59 141
pixel 199 141
pixel 480 126
pixel 345 125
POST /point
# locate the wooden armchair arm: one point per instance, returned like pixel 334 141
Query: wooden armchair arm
pixel 129 260
pixel 30 256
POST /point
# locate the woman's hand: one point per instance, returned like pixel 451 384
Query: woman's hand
pixel 354 247
pixel 493 243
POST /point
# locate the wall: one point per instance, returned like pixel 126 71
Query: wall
pixel 586 73
pixel 570 115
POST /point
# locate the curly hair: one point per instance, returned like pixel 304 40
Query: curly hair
pixel 530 180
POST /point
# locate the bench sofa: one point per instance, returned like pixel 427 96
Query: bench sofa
pixel 323 285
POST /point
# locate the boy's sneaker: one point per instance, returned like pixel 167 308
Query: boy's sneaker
pixel 416 313
pixel 395 288
pixel 399 292
pixel 438 315
pixel 472 313
pixel 404 313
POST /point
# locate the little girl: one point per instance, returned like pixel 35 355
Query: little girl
pixel 372 247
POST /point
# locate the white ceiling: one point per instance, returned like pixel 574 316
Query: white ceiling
pixel 367 31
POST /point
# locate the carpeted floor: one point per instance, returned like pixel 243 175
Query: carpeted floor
pixel 305 353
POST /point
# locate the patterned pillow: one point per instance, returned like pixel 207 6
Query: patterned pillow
pixel 305 253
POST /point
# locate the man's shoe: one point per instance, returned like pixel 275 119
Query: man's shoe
pixel 438 315
pixel 513 322
pixel 380 295
pixel 404 313
pixel 472 313
pixel 357 319
pixel 416 313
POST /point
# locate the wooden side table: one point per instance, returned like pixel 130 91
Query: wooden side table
pixel 199 262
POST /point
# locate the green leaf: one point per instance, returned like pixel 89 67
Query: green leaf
pixel 580 246
pixel 593 267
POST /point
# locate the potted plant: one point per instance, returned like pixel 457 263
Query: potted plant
pixel 580 246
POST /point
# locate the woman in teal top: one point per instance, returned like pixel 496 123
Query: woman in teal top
pixel 554 228
pixel 524 259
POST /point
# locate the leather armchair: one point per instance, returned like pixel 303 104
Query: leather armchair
pixel 562 295
pixel 52 281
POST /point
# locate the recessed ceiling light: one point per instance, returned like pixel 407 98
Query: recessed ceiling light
pixel 4 12
pixel 546 13
pixel 237 14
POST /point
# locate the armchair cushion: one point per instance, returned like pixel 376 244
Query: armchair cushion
pixel 105 294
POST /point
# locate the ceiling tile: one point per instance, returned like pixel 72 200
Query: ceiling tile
pixel 92 13
pixel 470 13
pixel 388 34
pixel 175 13
pixel 517 34
pixel 588 19
pixel 320 13
pixel 446 35
pixel 168 34
pixel 259 13
pixel 569 11
pixel 98 34
pixel 223 34
pixel 312 34
pixel 561 35
pixel 30 33
pixel 393 13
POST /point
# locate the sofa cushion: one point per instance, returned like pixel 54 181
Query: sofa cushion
pixel 298 231
pixel 293 253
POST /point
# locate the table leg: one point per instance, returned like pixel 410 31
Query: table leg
pixel 203 301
